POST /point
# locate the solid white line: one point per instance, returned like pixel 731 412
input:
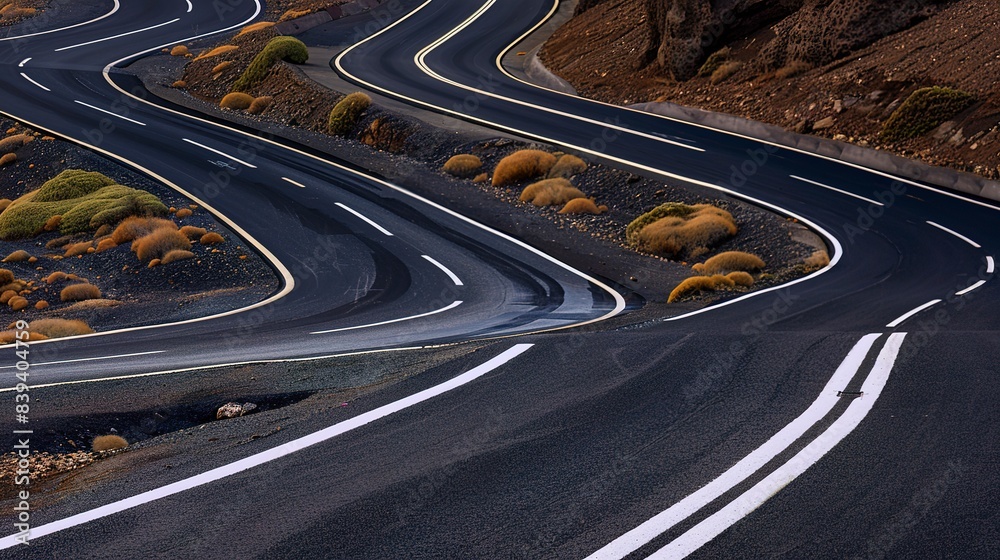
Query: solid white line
pixel 23 62
pixel 223 154
pixel 190 6
pixel 391 321
pixel 664 521
pixel 92 359
pixel 109 112
pixel 25 76
pixel 956 234
pixel 714 525
pixel 835 189
pixel 365 218
pixel 113 10
pixel 452 275
pixel 989 265
pixel 911 313
pixel 296 183
pixel 119 35
pixel 273 453
pixel 971 288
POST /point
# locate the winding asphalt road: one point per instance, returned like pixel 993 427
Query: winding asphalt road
pixel 850 414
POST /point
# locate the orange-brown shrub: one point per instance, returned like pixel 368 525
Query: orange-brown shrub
pixel 568 166
pixel 176 255
pixel 9 337
pixel 159 243
pixel 4 203
pixel 184 213
pixel 583 206
pixel 52 223
pixel 106 244
pixel 57 276
pixel 212 238
pixel 724 72
pixel 179 50
pixel 255 27
pixel 792 69
pixel 522 166
pixel 17 303
pixel 551 191
pixel 237 101
pixel 135 227
pixel 7 159
pixel 6 295
pixel 153 263
pixel 180 84
pixel 77 249
pixel 741 278
pixel 221 67
pixel 675 229
pixel 481 178
pixel 817 260
pixel 260 104
pixel 80 292
pixel 6 276
pixel 292 14
pixel 463 166
pixel 42 304
pixel 109 443
pixel 17 256
pixel 699 284
pixel 59 328
pixel 217 51
pixel 730 261
pixel 193 232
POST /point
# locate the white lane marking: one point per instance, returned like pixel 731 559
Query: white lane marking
pixel 296 183
pixel 273 453
pixel 971 288
pixel 955 233
pixel 664 521
pixel 190 6
pixel 391 321
pixel 26 77
pixel 620 301
pixel 753 498
pixel 989 265
pixel 419 60
pixel 911 313
pixel 452 275
pixel 39 364
pixel 555 7
pixel 23 62
pixel 365 219
pixel 835 189
pixel 221 153
pixel 112 12
pixel 110 113
pixel 175 20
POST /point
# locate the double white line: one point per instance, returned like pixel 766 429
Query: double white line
pixel 753 498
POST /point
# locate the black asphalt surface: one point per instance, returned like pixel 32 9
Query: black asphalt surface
pixel 588 434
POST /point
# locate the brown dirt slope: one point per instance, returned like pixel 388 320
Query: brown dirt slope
pixel 855 62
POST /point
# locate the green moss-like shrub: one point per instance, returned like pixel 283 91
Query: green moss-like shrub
pixel 713 62
pixel 923 111
pixel 346 114
pixel 279 48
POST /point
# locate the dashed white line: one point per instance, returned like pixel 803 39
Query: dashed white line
pixel 271 454
pixel 23 62
pixel 296 183
pixel 714 525
pixel 989 265
pixel 971 288
pixel 26 77
pixel 835 189
pixel 366 219
pixel 92 359
pixel 110 113
pixel 955 233
pixel 664 521
pixel 391 321
pixel 114 10
pixel 452 275
pixel 911 313
pixel 175 20
pixel 223 154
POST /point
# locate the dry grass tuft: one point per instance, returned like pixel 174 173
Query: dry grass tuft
pixel 346 114
pixel 293 14
pixel 180 84
pixel 79 292
pixel 521 166
pixel 220 68
pixel 463 166
pixel 159 243
pixel 217 51
pixel 17 256
pixel 567 166
pixel 792 69
pixel 260 104
pixel 817 260
pixel 135 227
pixel 730 261
pixel 551 191
pixel 212 238
pixel 59 328
pixel 176 255
pixel 675 229
pixel 236 101
pixel 109 443
pixel 583 206
pixel 725 71
pixel 255 27
pixel 713 62
pixel 179 50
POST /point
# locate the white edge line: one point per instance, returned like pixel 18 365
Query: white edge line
pixel 366 219
pixel 911 313
pixel 175 20
pixel 989 265
pixel 391 321
pixel 619 300
pixel 23 62
pixel 753 498
pixel 274 453
pixel 454 277
pixel 955 233
pixel 109 112
pixel 555 7
pixel 835 189
pixel 664 521
pixel 296 183
pixel 109 14
pixel 971 288
pixel 220 152
pixel 190 6
pixel 91 359
pixel 26 77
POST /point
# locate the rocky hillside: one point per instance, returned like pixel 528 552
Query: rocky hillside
pixel 836 68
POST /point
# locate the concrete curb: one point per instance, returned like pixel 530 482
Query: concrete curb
pixel 538 73
pixel 315 19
